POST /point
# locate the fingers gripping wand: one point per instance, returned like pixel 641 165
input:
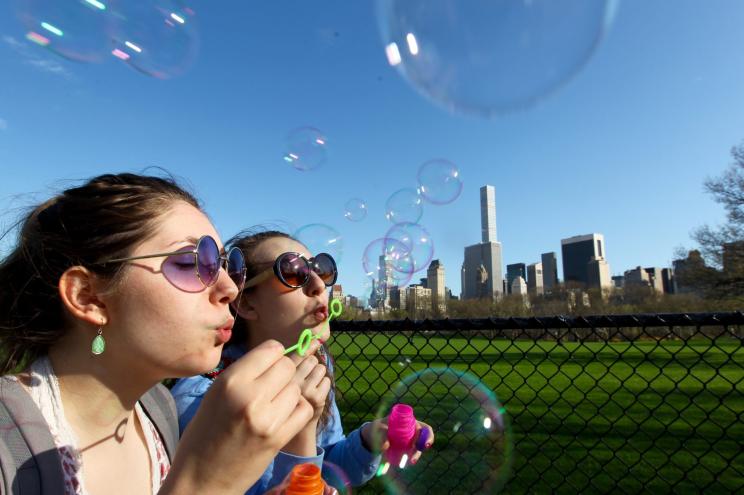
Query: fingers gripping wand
pixel 307 335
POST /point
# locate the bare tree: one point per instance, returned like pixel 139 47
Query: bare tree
pixel 722 246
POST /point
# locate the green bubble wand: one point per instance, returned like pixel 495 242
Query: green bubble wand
pixel 307 335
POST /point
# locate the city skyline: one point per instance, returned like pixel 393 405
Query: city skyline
pixel 583 259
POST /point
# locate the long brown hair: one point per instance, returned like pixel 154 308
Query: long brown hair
pixel 248 241
pixel 104 218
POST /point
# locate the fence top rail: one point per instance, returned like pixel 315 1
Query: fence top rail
pixel 544 322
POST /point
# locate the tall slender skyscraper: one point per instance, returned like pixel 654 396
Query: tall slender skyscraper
pixel 488 214
pixel 481 269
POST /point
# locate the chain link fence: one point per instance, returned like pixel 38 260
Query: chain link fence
pixel 608 404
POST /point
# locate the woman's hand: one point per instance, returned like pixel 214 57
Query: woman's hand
pixel 310 376
pixel 374 435
pixel 313 382
pixel 250 411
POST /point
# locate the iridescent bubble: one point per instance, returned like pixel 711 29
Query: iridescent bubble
pixel 404 205
pixel 385 267
pixel 355 210
pixel 321 238
pixel 76 30
pixel 306 148
pixel 439 181
pixel 410 247
pixel 484 57
pixel 334 476
pixel 158 38
pixel 472 448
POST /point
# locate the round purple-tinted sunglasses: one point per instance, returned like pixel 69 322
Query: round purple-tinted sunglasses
pixel 193 269
pixel 293 270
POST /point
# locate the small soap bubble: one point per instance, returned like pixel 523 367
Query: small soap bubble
pixel 484 57
pixel 75 30
pixel 472 448
pixel 158 38
pixel 306 148
pixel 439 181
pixel 404 205
pixel 355 210
pixel 321 238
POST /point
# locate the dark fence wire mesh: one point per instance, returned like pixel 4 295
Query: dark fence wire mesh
pixel 625 403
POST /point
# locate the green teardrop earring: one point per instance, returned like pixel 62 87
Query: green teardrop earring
pixel 99 343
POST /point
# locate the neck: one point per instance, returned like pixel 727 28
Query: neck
pixel 98 393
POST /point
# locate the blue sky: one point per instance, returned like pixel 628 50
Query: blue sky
pixel 621 149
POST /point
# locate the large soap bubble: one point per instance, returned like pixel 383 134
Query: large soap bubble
pixel 472 450
pixel 487 56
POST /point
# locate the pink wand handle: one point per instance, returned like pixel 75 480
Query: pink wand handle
pixel 401 430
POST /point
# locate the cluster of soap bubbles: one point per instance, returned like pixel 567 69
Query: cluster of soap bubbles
pixel 158 38
pixel 406 248
pixel 472 450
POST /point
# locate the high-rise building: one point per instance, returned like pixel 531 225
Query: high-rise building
pixel 512 272
pixel 337 292
pixel 598 272
pixel 481 274
pixel 397 297
pixel 535 278
pixel 648 277
pixel 519 286
pixel 488 214
pixel 550 270
pixel 656 279
pixel 584 262
pixel 691 274
pixel 384 280
pixel 418 301
pixel 667 279
pixel 435 282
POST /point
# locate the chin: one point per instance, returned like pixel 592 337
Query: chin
pixel 207 363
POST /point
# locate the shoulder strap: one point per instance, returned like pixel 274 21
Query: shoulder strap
pixel 159 405
pixel 28 458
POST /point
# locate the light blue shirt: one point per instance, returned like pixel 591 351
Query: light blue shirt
pixel 347 452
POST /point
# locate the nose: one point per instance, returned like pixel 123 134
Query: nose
pixel 314 284
pixel 224 291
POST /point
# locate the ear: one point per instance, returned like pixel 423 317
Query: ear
pixel 244 308
pixel 79 290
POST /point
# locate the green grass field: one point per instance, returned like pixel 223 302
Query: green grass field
pixel 593 417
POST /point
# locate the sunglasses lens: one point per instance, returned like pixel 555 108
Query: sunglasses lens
pixel 236 267
pixel 179 269
pixel 294 269
pixel 325 267
pixel 208 265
